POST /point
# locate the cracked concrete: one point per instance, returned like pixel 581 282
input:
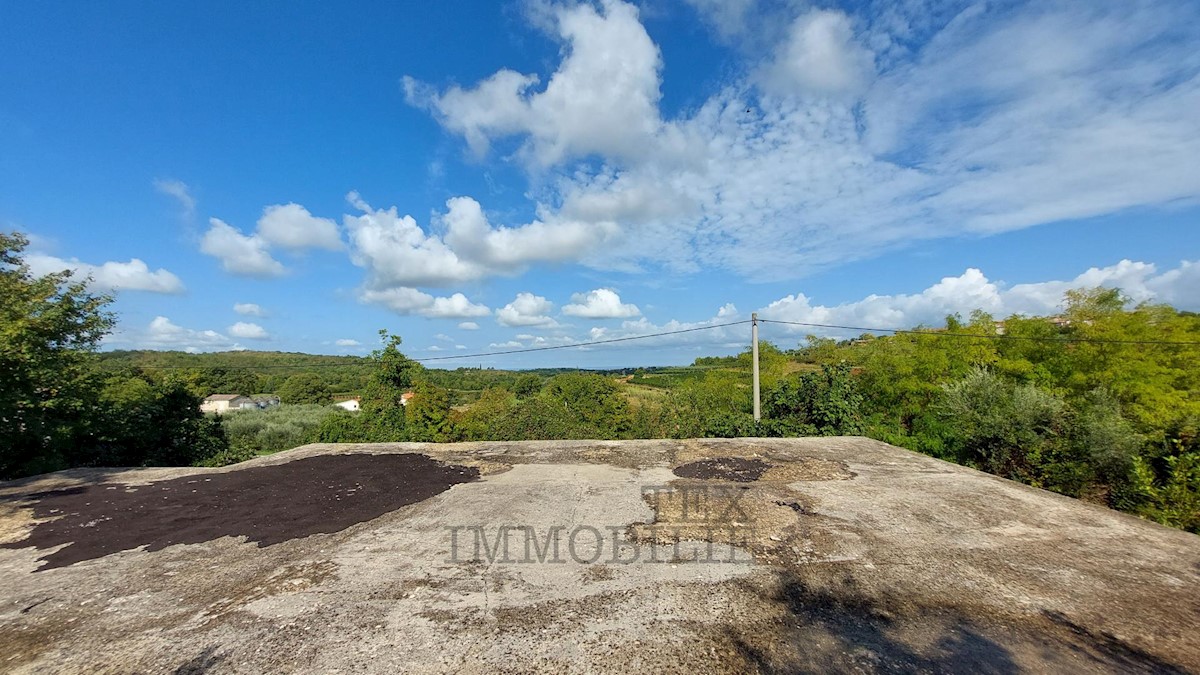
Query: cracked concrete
pixel 814 555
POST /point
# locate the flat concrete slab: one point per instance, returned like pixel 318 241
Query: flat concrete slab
pixel 741 555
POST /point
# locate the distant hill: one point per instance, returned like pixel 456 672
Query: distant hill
pixel 263 362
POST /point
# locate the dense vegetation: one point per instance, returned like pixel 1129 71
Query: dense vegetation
pixel 1068 405
pixel 58 408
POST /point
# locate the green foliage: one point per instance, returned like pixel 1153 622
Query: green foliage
pixel 428 415
pixel 527 385
pixel 392 375
pixel 49 328
pixel 274 429
pixel 478 422
pixel 342 426
pixel 304 388
pixel 590 402
pixel 714 404
pixel 1000 427
pixel 243 372
pixel 825 403
pixel 154 423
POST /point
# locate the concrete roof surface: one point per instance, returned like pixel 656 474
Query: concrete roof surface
pixel 739 555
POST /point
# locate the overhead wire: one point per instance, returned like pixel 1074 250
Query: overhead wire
pixel 646 336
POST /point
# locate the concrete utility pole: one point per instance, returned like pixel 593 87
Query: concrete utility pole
pixel 754 350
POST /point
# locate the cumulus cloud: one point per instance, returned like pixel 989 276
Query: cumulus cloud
pixel 134 275
pixel 248 331
pixel 292 226
pixel 397 252
pixel 405 301
pixel 468 325
pixel 248 309
pixel 602 303
pixel 603 98
pixel 506 249
pixel 527 309
pixel 973 290
pixel 179 191
pixel 288 226
pixel 240 254
pixel 854 134
pixel 162 333
pixel 347 342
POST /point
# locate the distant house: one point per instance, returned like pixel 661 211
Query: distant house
pixel 350 404
pixel 405 397
pixel 264 402
pixel 223 403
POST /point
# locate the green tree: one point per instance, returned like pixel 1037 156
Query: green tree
pixel 527 385
pixel 825 403
pixel 304 388
pixel 1003 428
pixel 427 415
pixel 480 421
pixel 392 374
pixel 591 399
pixel 50 327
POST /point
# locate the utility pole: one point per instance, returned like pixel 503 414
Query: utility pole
pixel 754 350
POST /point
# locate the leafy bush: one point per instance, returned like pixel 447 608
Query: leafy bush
pixel 825 403
pixel 280 428
pixel 1000 427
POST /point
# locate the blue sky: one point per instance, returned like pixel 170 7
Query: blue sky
pixel 478 176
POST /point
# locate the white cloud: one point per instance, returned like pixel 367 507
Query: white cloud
pixel 347 342
pixel 248 331
pixel 134 275
pixel 602 99
pixel 820 57
pixel 973 290
pixel 162 333
pixel 292 226
pixel 405 301
pixel 443 337
pixel 239 254
pixel 396 251
pixel 180 192
pixel 510 249
pixel 468 325
pixel 1000 118
pixel 460 346
pixel 602 303
pixel 527 309
pixel 248 309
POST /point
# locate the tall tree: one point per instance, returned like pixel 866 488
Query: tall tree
pixel 50 327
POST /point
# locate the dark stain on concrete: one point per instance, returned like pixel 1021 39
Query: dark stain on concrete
pixel 736 469
pixel 841 628
pixel 265 504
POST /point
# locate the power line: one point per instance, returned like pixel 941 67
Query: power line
pixel 524 350
pixel 527 350
pixel 1033 338
pixel 359 362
